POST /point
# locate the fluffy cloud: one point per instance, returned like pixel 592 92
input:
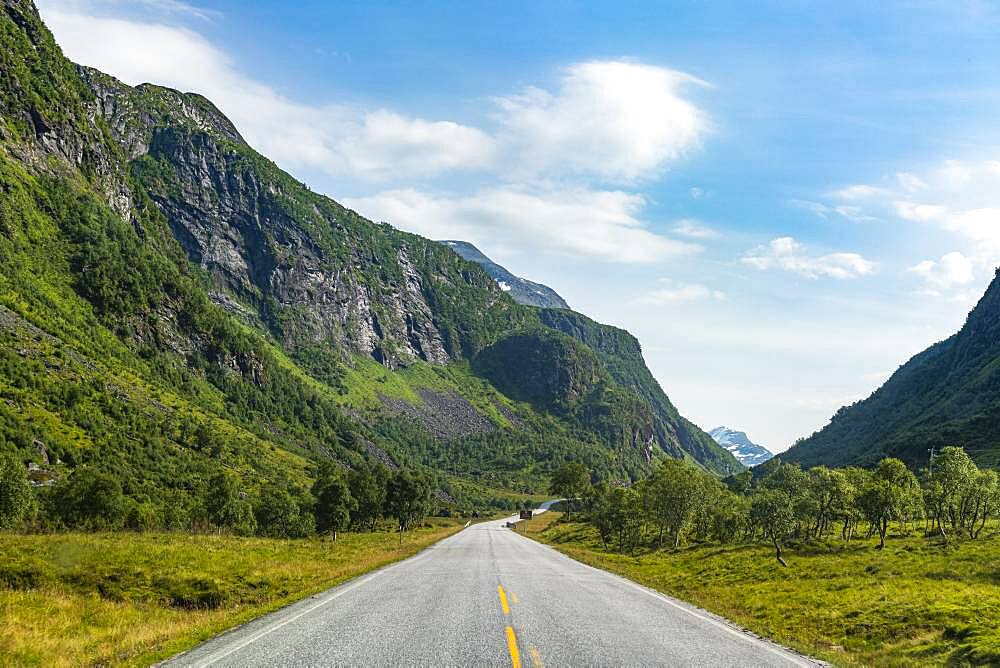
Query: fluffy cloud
pixel 672 293
pixel 616 120
pixel 597 224
pixel 613 120
pixel 957 196
pixel 952 270
pixel 694 229
pixel 787 254
pixel 333 138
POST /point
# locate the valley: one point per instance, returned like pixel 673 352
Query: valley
pixel 227 398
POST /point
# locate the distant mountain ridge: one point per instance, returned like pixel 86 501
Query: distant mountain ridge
pixel 520 289
pixel 946 395
pixel 739 444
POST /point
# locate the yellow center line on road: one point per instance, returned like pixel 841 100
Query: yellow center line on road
pixel 515 656
pixel 503 600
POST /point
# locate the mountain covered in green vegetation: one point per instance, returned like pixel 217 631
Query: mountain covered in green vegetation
pixel 946 395
pixel 174 306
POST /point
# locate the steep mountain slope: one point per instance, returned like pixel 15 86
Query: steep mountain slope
pixel 172 305
pixel 947 395
pixel 740 445
pixel 622 357
pixel 521 289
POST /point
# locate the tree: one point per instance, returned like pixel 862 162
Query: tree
pixel 671 496
pixel 772 511
pixel 794 482
pixel 617 513
pixel 279 515
pixel 570 481
pixel 368 487
pixel 334 503
pixel 878 502
pixel 730 517
pixel 830 492
pixel 888 496
pixel 951 476
pixel 90 499
pixel 407 497
pixel 228 507
pixel 15 493
pixel 984 500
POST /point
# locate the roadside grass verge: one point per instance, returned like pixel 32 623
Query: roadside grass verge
pixel 133 599
pixel 917 602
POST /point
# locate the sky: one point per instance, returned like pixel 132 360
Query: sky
pixel 784 201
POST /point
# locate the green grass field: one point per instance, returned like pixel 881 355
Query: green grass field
pixel 915 603
pixel 132 599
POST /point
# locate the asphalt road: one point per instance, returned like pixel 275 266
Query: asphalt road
pixel 487 596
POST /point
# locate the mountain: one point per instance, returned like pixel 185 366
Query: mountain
pixel 738 443
pixel 621 355
pixel 946 395
pixel 174 305
pixel 521 289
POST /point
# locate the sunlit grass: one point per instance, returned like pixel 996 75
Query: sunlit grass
pixel 85 599
pixel 917 602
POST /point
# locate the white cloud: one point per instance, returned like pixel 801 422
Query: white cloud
pixel 909 182
pixel 953 269
pixel 177 7
pixel 391 143
pixel 958 197
pixel 672 293
pixel 849 212
pixel 612 119
pixel 858 192
pixel 697 193
pixel 919 212
pixel 615 120
pixel 787 254
pixel 334 138
pixel 578 221
pixel 694 229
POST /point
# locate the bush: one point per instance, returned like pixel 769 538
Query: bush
pixel 15 493
pixel 90 499
pixel 279 515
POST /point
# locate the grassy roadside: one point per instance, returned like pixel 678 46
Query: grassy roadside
pixel 132 599
pixel 914 603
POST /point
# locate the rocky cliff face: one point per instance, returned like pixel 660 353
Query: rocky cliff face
pixel 276 253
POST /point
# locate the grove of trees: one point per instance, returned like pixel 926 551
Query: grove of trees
pixel 91 499
pixel 780 503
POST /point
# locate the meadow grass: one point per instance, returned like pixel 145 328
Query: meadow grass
pixel 918 602
pixel 131 599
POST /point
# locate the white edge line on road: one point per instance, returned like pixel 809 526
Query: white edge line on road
pixel 340 590
pixel 752 639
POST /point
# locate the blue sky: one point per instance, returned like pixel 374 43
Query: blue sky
pixel 783 201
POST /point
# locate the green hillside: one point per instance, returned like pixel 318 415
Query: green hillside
pixel 947 395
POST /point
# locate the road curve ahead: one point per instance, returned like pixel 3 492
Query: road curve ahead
pixel 488 596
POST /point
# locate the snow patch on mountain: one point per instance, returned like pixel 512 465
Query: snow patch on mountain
pixel 740 445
